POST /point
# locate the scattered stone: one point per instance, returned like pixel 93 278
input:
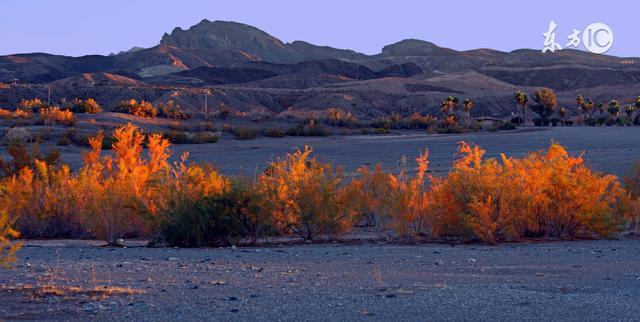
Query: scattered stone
pixel 120 243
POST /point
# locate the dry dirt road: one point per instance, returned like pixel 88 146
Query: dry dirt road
pixel 573 281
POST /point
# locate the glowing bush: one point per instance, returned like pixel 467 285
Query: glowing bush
pixel 8 248
pixel 89 106
pixel 306 197
pixel 141 109
pixel 31 105
pixel 543 194
pixel 402 203
pixel 53 115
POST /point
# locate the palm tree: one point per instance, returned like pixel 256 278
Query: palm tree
pixel 563 114
pixel 449 105
pixel 444 108
pixel 600 108
pixel 587 108
pixel 522 100
pixel 629 111
pixel 614 108
pixel 580 102
pixel 467 105
pixel 456 103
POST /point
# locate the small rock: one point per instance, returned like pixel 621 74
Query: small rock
pixel 472 260
pixel 120 242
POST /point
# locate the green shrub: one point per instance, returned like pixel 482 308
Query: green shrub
pixel 213 221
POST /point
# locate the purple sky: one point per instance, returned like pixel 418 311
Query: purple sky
pixel 80 27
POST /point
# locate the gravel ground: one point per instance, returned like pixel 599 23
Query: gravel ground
pixel 579 280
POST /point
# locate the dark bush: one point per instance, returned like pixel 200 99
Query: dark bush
pixel 309 130
pixel 274 133
pixel 177 137
pixel 214 221
pixel 205 137
pixel 245 133
pixel 209 222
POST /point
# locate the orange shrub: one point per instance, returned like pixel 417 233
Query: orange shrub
pixel 31 105
pixel 8 248
pixel 89 106
pixel 543 194
pixel 401 202
pixel 141 109
pixel 6 114
pixel 110 197
pixel 306 197
pixel 632 185
pixel 52 115
pixel 121 190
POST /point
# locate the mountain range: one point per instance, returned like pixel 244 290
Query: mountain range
pixel 249 71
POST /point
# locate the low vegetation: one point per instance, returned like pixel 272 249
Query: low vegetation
pixel 136 193
pixel 141 108
pixel 244 133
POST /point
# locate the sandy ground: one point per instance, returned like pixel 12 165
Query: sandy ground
pixel 578 280
pixel 608 149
